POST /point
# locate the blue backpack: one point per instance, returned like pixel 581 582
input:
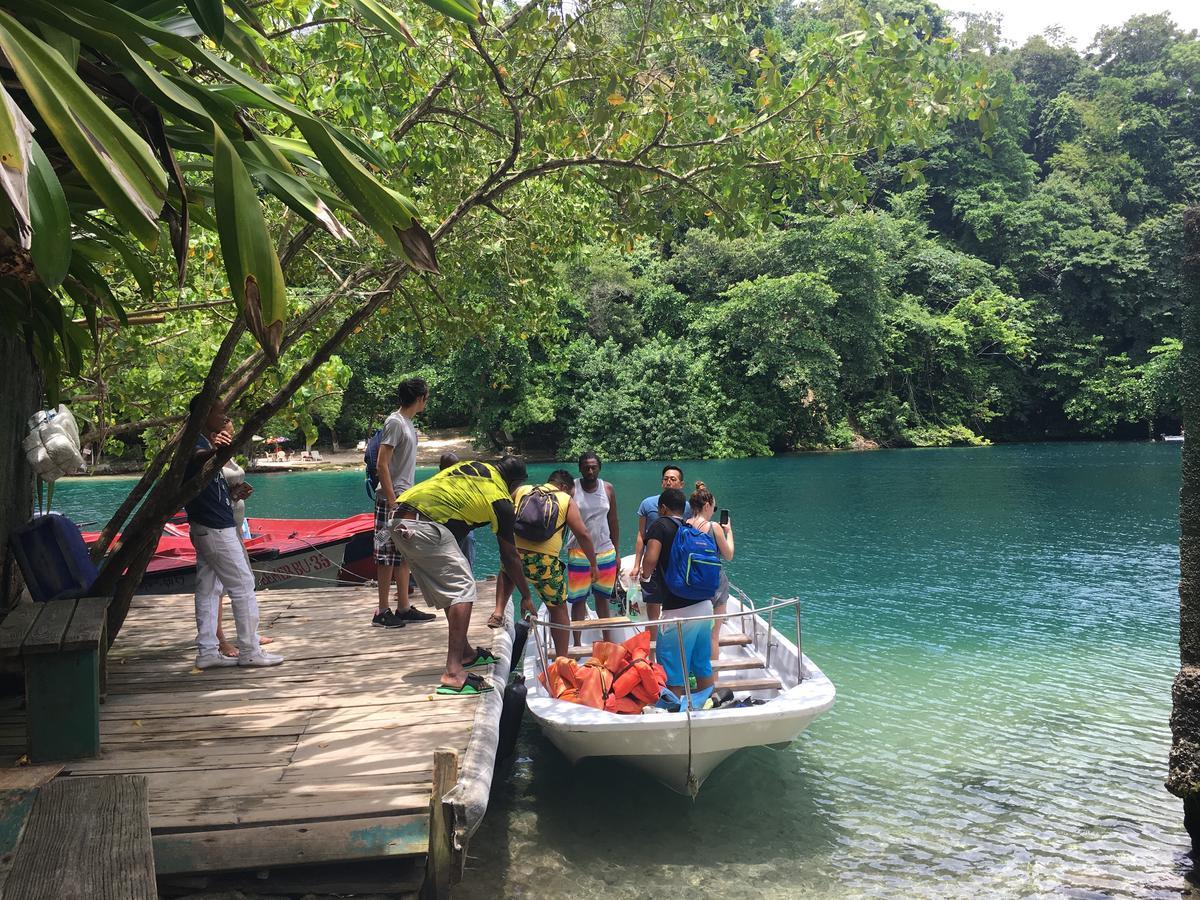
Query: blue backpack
pixel 371 460
pixel 694 570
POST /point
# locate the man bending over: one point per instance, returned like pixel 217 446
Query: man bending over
pixel 431 518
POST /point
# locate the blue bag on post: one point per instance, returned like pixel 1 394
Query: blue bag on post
pixel 53 558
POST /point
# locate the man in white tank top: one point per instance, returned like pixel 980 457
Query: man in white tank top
pixel 597 504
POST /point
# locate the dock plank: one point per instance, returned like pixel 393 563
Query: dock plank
pixel 86 839
pixel 251 848
pixel 326 758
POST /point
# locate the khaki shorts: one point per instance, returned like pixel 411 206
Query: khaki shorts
pixel 436 561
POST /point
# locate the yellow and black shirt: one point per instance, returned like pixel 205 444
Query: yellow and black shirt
pixel 464 497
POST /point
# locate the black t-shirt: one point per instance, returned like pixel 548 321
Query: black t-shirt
pixel 212 507
pixel 506 518
pixel 664 530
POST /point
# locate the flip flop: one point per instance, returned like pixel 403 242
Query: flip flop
pixel 472 687
pixel 495 621
pixel 482 658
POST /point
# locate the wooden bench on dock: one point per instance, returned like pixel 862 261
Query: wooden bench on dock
pixel 75 838
pixel 59 645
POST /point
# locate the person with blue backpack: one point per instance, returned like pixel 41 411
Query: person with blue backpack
pixel 682 564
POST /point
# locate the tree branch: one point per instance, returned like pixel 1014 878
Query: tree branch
pixel 315 23
pixel 414 115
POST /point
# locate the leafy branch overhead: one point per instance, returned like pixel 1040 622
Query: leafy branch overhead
pixel 516 129
pixel 105 107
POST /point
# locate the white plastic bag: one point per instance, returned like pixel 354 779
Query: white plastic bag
pixel 52 445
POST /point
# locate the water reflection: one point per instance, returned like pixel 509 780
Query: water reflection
pixel 1001 626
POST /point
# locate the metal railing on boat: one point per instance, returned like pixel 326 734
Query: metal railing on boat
pixel 748 611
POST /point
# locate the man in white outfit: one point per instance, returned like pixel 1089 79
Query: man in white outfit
pixel 220 560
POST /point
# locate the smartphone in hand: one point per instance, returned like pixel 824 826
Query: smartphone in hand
pixel 724 517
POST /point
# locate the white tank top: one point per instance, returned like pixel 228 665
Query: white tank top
pixel 594 510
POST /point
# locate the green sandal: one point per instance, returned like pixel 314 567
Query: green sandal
pixel 482 658
pixel 472 687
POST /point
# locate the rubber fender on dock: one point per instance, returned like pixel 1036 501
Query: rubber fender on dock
pixel 510 717
pixel 520 635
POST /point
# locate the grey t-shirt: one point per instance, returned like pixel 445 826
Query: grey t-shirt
pixel 400 434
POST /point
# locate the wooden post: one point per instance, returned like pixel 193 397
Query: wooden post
pixel 439 864
pixel 1183 778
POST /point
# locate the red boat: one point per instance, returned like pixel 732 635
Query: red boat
pixel 284 553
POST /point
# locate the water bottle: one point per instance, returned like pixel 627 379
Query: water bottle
pixel 633 599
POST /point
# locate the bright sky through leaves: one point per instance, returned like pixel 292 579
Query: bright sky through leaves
pixel 1080 19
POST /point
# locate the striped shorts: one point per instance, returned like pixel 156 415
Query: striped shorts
pixel 579 575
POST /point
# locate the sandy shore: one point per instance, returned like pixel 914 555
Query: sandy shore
pixel 430 448
pixel 429 452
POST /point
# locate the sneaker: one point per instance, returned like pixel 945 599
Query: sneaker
pixel 386 619
pixel 214 660
pixel 260 659
pixel 412 614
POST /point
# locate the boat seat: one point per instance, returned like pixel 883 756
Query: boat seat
pixel 752 684
pixel 730 665
pixel 727 640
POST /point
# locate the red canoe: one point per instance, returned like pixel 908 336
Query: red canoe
pixel 284 553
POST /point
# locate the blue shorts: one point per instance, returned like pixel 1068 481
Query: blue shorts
pixel 697 642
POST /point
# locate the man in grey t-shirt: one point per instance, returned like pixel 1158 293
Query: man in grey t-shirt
pixel 397 467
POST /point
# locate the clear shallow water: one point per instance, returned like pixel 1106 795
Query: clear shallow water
pixel 1001 627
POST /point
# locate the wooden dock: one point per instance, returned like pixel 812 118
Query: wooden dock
pixel 328 758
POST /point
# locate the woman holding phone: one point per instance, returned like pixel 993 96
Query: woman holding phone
pixel 703 506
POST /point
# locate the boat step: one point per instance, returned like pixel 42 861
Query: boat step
pixel 730 665
pixel 727 640
pixel 752 684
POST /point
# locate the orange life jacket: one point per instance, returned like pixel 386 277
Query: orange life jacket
pixel 640 682
pixel 618 677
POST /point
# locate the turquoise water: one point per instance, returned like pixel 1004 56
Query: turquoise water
pixel 1001 624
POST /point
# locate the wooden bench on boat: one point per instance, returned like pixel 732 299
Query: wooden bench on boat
pixel 75 838
pixel 736 639
pixel 59 645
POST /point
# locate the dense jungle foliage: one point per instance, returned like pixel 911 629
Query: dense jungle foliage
pixel 1026 289
pixel 712 264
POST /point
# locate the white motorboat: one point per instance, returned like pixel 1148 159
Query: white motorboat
pixel 682 749
pixel 1173 437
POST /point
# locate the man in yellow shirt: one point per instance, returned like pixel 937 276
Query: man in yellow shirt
pixel 431 518
pixel 541 560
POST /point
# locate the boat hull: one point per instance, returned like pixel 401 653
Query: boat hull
pixel 301 567
pixel 658 744
pixel 679 750
pixel 284 553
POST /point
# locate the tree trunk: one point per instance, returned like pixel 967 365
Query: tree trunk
pixel 20 397
pixel 1183 779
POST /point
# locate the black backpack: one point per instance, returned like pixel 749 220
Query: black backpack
pixel 371 460
pixel 537 515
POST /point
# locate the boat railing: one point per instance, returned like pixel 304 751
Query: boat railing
pixel 753 613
